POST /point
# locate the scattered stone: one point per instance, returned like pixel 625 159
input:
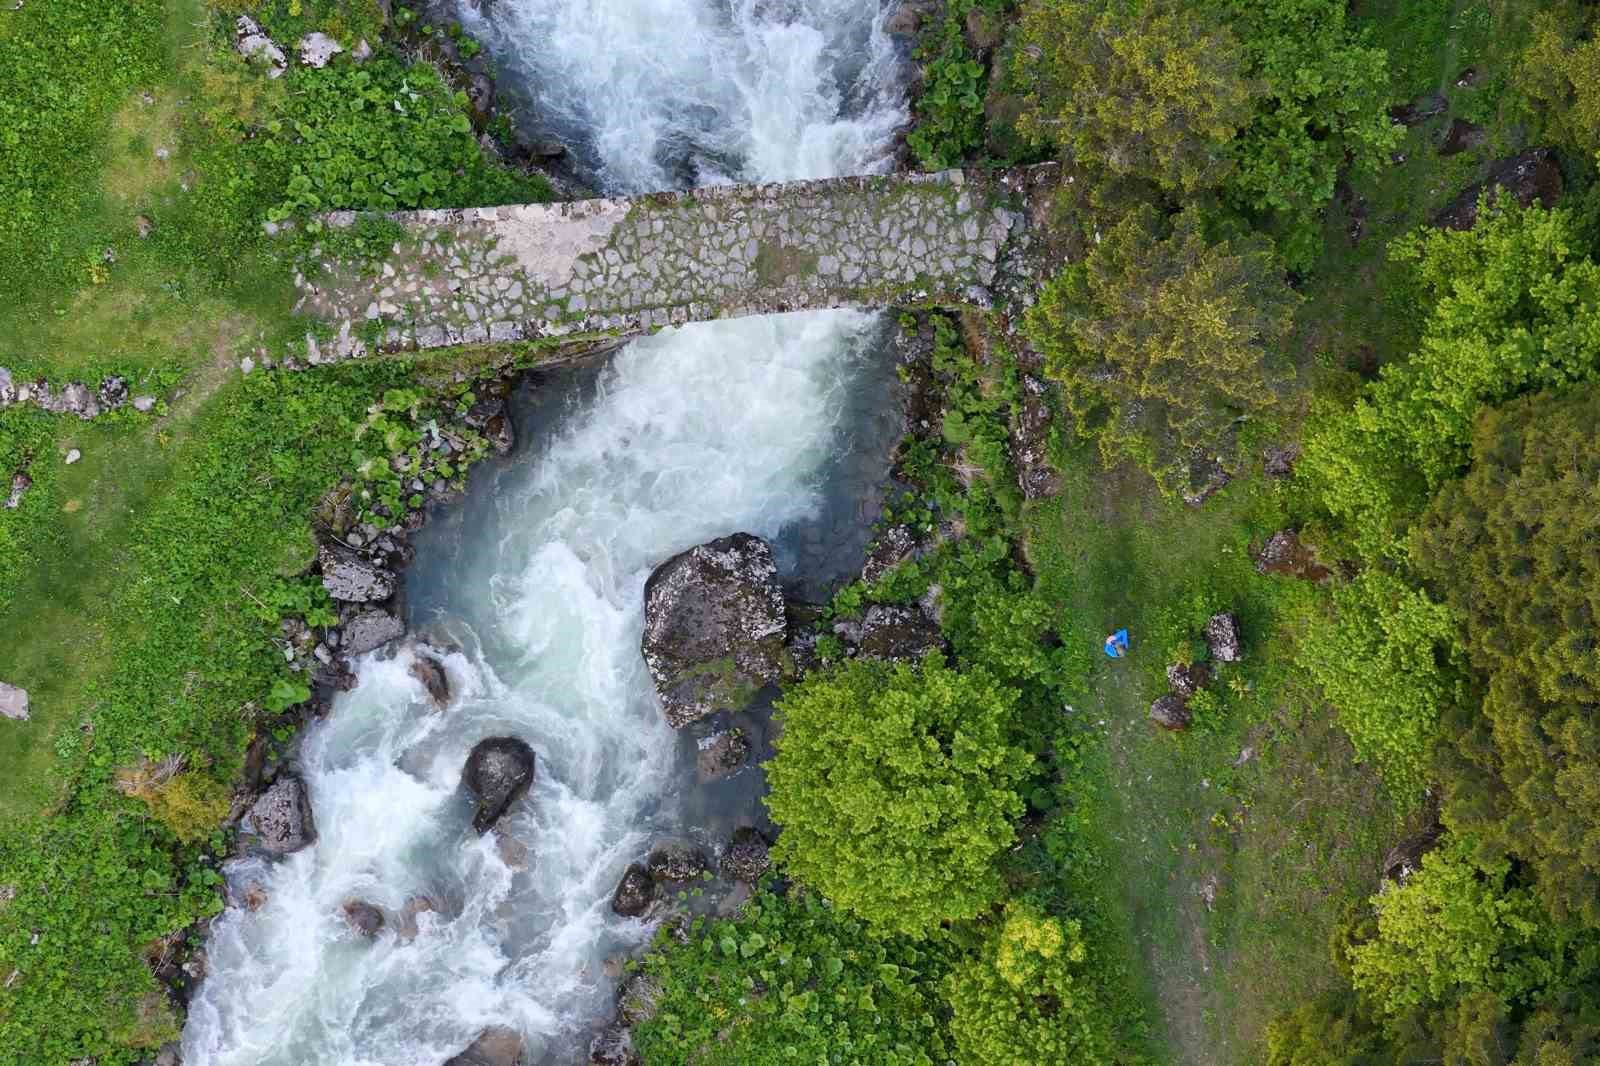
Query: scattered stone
pixel 351 579
pixel 247 365
pixel 714 627
pixel 721 755
pixel 490 415
pixel 363 917
pixel 1170 712
pixel 634 892
pixel 282 816
pixel 746 858
pixel 1030 440
pixel 1188 678
pixel 317 50
pixel 8 388
pixel 1419 110
pixel 251 43
pixel 370 630
pixel 1532 175
pixel 613 1047
pixel 1462 136
pixel 1222 638
pixel 112 393
pixel 893 632
pixel 13 702
pixel 1468 78
pixel 676 863
pixel 73 455
pixel 480 95
pixel 1285 553
pixel 498 773
pixel 20 484
pixel 1278 460
pixel 144 404
pixel 430 672
pixel 143 226
pixel 362 51
pixel 893 546
pixel 495 1046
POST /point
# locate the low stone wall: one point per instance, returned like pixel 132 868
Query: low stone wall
pixel 618 267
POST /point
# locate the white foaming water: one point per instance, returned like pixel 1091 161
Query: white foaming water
pixel 692 434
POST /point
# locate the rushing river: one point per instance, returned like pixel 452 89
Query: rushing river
pixel 776 426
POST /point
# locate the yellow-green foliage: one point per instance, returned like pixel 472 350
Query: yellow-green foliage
pixel 896 789
pixel 1560 71
pixel 1164 342
pixel 1021 1001
pixel 1513 547
pixel 1151 90
pixel 191 805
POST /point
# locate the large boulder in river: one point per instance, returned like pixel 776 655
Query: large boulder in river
pixel 281 816
pixel 498 773
pixel 677 862
pixel 369 631
pixel 364 917
pixel 430 673
pixel 634 892
pixel 713 627
pixel 495 1046
pixel 351 579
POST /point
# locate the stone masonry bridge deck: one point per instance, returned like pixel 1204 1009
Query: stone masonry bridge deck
pixel 592 269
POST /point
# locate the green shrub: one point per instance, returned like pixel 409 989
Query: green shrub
pixel 895 787
pixel 1024 1000
pixel 1383 661
pixel 793 979
pixel 949 119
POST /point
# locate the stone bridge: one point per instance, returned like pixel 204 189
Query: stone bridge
pixel 595 269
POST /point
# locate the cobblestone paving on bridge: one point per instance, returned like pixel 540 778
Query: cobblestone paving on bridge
pixel 620 267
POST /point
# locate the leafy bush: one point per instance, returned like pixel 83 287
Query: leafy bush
pixel 1153 91
pixel 895 787
pixel 1024 1001
pixel 1560 72
pixel 1165 342
pixel 1510 308
pixel 793 980
pixel 1511 547
pixel 383 135
pixel 1384 664
pixel 949 121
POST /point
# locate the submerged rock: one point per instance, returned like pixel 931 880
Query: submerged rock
pixel 495 1046
pixel 282 816
pixel 714 627
pixel 352 579
pixel 613 1047
pixel 634 892
pixel 1222 638
pixel 363 917
pixel 1170 712
pixel 430 672
pixel 498 773
pixel 13 702
pixel 721 755
pixel 746 858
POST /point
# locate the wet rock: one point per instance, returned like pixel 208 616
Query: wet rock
pixel 352 579
pixel 169 1055
pixel 714 627
pixel 430 672
pixel 498 773
pixel 1222 638
pixel 638 998
pixel 13 702
pixel 1188 678
pixel 1285 553
pixel 335 675
pixel 1462 136
pixel 1030 441
pixel 634 892
pixel 490 416
pixel 480 95
pixel 1278 460
pixel 281 816
pixel 905 22
pixel 1170 712
pixel 893 632
pixel 369 631
pixel 746 858
pixel 721 755
pixel 613 1047
pixel 676 863
pixel 20 484
pixel 1419 110
pixel 363 917
pixel 251 43
pixel 317 50
pixel 406 922
pixel 545 148
pixel 495 1046
pixel 892 547
pixel 1533 175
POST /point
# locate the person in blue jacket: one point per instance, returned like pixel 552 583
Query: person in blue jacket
pixel 1117 644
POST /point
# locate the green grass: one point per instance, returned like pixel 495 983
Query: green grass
pixel 1281 841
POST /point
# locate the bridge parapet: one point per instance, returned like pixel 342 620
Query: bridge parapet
pixel 617 267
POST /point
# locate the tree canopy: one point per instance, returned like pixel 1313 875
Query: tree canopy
pixel 895 786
